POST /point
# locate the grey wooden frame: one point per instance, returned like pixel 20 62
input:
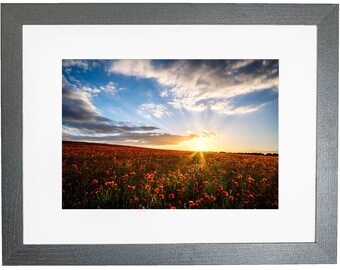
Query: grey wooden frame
pixel 324 17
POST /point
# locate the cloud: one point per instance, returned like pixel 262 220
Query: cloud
pixel 82 117
pixel 83 64
pixel 197 85
pixel 235 65
pixel 77 105
pixel 91 90
pixel 110 88
pixel 149 138
pixel 153 110
pixel 228 109
pixel 105 127
pixel 208 134
pixel 204 134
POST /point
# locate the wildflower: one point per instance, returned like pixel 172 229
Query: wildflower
pixel 94 182
pixel 225 193
pixel 212 198
pixel 250 179
pixel 147 187
pixel 180 191
pixel 161 196
pixel 149 176
pixel 156 190
pixel 219 187
pixel 191 203
pixel 171 196
pixel 234 182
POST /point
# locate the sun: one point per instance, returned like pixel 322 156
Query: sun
pixel 200 147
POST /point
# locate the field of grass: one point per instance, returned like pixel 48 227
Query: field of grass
pixel 98 176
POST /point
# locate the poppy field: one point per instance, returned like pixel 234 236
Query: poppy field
pixel 100 176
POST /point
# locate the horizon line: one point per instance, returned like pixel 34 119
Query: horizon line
pixel 157 148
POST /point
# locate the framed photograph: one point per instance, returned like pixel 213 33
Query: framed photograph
pixel 169 134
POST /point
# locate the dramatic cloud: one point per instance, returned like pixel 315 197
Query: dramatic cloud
pixel 77 105
pixel 83 122
pixel 153 110
pixel 197 85
pixel 82 117
pixel 157 139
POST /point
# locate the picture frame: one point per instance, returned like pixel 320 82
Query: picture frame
pixel 322 251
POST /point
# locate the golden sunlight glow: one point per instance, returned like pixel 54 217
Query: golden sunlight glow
pixel 200 147
pixel 200 144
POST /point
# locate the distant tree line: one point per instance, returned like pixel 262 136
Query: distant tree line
pixel 253 154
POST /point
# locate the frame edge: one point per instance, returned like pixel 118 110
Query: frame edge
pixel 327 133
pixel 16 253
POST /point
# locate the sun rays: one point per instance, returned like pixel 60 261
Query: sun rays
pixel 195 157
pixel 202 161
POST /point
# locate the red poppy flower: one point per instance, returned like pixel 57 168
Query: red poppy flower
pixel 180 191
pixel 94 182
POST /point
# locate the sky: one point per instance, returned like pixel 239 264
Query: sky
pixel 195 105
